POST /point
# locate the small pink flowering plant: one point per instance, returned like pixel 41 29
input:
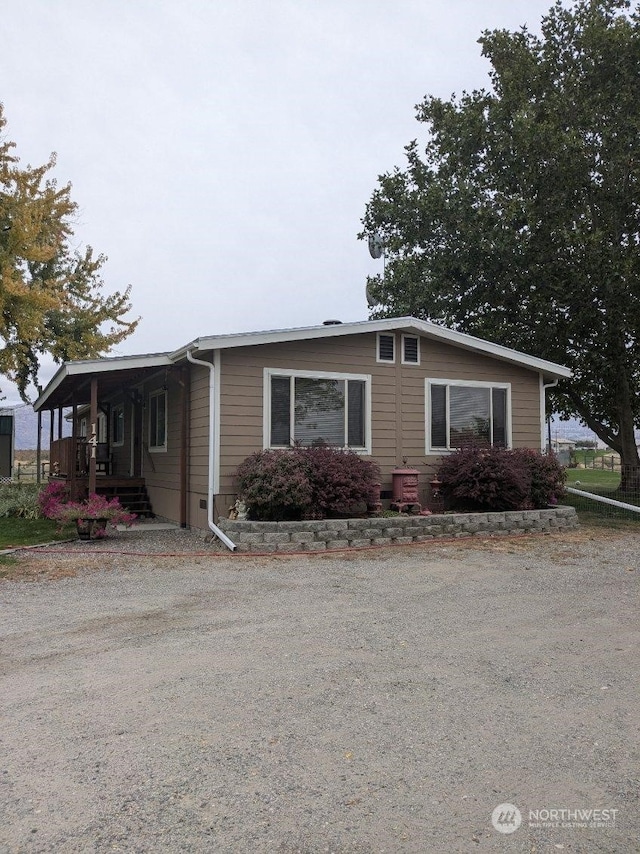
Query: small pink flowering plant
pixel 55 504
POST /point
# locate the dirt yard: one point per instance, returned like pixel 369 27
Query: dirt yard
pixel 383 701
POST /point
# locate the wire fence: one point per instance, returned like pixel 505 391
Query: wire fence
pixel 27 472
pixel 605 493
pixel 602 460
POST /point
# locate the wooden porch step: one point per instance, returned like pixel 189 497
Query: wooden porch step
pixel 133 497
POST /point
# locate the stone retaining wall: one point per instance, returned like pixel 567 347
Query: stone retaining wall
pixel 318 536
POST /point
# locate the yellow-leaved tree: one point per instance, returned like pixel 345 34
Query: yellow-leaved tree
pixel 51 296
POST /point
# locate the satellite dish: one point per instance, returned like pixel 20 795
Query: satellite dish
pixel 376 246
pixel 371 300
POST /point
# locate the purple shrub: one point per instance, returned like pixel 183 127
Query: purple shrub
pixel 342 482
pixel 305 483
pixel 547 475
pixel 275 485
pixel 485 479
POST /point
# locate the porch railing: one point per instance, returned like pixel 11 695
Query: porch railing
pixel 69 457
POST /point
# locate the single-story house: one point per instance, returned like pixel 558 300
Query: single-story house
pixel 173 427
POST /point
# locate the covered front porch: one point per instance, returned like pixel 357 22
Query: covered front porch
pixel 104 404
pixel 70 461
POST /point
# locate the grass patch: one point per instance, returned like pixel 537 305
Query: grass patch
pixel 593 480
pixel 612 522
pixel 31 532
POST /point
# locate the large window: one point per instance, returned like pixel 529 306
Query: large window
pixel 459 413
pixel 316 408
pixel 158 421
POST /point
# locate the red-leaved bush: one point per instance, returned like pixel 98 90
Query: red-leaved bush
pixel 341 481
pixel 274 485
pixel 477 478
pixel 305 483
pixel 548 476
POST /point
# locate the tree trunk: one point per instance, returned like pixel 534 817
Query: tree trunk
pixel 629 461
pixel 623 442
pixel 629 457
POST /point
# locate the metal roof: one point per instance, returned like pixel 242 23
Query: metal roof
pixel 125 371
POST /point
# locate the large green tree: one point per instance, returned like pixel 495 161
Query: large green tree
pixel 518 217
pixel 51 298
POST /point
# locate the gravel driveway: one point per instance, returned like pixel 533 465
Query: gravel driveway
pixel 382 701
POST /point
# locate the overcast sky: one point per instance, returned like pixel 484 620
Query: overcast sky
pixel 222 152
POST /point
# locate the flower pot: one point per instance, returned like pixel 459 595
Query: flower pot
pixel 91 529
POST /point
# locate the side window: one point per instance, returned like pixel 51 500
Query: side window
pixel 117 425
pixel 158 421
pixel 102 427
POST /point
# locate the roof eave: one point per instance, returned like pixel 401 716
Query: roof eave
pixel 432 330
pixel 93 366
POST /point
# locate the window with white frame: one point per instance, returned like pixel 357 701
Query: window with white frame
pixel 310 408
pixel 158 421
pixel 410 350
pixel 386 347
pixel 462 412
pixel 117 424
pixel 102 427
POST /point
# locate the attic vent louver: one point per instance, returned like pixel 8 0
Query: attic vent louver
pixel 386 348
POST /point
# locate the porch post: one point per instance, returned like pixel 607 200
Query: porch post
pixel 73 456
pixel 59 423
pixel 94 431
pixel 39 447
pixel 51 413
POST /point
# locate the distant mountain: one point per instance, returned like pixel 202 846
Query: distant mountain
pixel 26 427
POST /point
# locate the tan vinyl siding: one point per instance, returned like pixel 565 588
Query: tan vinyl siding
pixel 397 396
pixel 198 469
pixel 161 468
pixel 121 454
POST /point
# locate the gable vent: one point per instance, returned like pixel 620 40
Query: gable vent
pixel 410 350
pixel 386 348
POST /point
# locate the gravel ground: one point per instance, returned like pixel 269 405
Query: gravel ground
pixel 378 701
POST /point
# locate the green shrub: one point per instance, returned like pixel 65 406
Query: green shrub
pixel 20 500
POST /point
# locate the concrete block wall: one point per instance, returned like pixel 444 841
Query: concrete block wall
pixel 327 534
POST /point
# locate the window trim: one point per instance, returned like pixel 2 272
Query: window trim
pixel 118 407
pixel 416 338
pixel 158 449
pixel 314 375
pixel 379 360
pixel 430 381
